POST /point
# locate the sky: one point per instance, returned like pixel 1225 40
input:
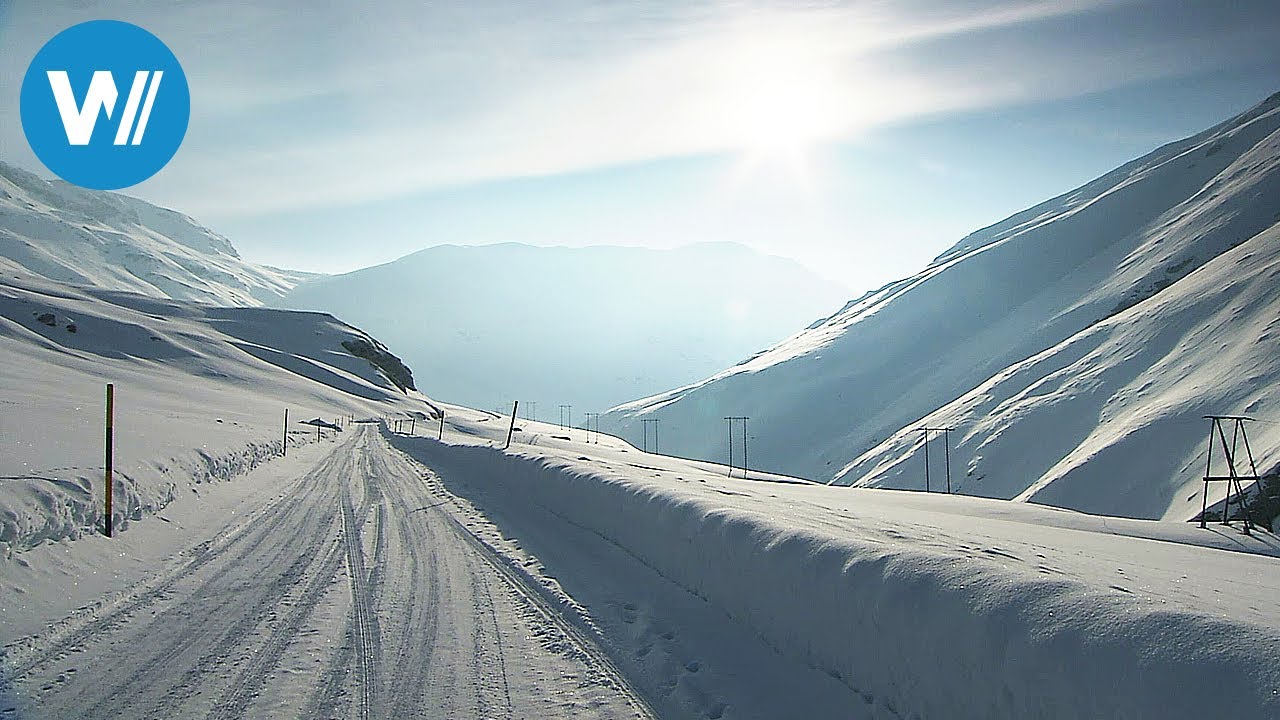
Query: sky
pixel 858 138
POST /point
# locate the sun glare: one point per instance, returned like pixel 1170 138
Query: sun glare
pixel 780 102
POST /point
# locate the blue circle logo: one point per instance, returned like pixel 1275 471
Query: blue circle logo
pixel 105 105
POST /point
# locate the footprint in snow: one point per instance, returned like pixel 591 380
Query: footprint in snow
pixel 629 614
pixel 1001 553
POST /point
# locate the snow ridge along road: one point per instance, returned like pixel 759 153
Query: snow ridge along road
pixel 353 595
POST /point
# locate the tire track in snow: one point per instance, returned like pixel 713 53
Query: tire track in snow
pixel 362 628
pixel 416 589
pixel 24 656
pixel 526 590
pixel 363 648
pixel 225 641
pixel 493 689
pixel 253 674
pixel 157 663
pixel 523 587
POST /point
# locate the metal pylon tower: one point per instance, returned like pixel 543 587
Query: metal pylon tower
pixel 1235 477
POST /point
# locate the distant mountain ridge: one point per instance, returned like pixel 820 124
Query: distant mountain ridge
pixel 107 240
pixel 588 327
pixel 1073 346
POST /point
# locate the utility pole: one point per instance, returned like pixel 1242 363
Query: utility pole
pixel 730 421
pixel 596 418
pixel 946 435
pixel 566 410
pixel 926 458
pixel 531 411
pixel 946 453
pixel 441 435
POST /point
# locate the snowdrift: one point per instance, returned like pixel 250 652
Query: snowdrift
pixel 1073 347
pixel 916 628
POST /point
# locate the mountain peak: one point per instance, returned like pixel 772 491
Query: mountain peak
pixel 103 239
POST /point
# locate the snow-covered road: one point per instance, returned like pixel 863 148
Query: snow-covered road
pixel 353 593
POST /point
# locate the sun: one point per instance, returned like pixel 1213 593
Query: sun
pixel 780 114
pixel 779 101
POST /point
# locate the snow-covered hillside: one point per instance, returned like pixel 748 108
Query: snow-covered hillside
pixel 200 394
pixel 86 237
pixel 590 327
pixel 1073 347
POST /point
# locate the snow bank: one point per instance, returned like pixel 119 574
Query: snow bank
pixel 43 508
pixel 915 629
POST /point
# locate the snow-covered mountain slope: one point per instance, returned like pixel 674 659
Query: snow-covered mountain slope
pixel 1074 347
pixel 87 237
pixel 200 394
pixel 590 327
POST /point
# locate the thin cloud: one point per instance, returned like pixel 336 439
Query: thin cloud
pixel 672 88
pixel 299 109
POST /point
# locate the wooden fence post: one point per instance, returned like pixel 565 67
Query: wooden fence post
pixel 515 406
pixel 111 406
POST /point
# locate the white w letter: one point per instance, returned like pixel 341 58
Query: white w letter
pixel 79 121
